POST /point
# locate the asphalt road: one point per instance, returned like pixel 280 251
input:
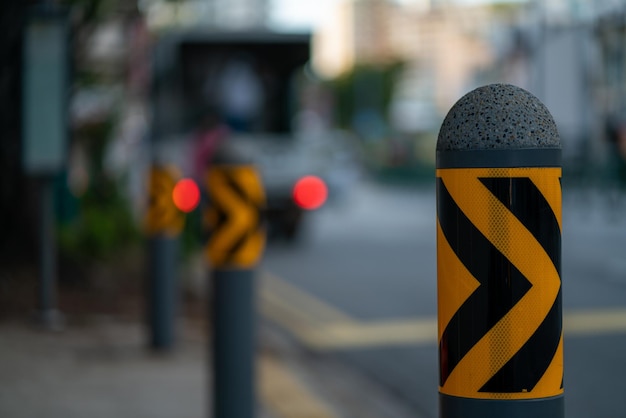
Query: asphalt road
pixel 361 286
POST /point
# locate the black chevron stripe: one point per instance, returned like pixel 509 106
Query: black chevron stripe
pixel 501 284
pixel 524 370
pixel 245 200
pixel 222 218
pixel 527 203
pixel 240 191
pixel 234 250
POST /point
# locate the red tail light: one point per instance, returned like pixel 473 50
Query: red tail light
pixel 186 195
pixel 310 192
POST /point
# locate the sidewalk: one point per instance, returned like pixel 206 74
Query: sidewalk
pixel 101 368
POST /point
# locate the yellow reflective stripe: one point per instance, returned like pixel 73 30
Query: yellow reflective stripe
pixel 546 179
pixel 248 180
pixel 162 216
pixel 248 254
pixel 548 183
pixel 241 218
pixel 527 255
pixel 456 283
pixel 239 241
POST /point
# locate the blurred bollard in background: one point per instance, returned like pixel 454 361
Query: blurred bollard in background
pixel 235 246
pixel 164 223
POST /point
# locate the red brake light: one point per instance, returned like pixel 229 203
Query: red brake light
pixel 310 192
pixel 186 195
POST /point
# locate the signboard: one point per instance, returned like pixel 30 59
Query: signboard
pixel 45 93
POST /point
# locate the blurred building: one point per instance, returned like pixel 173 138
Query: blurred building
pixel 441 45
pixel 372 29
pixel 610 33
pixel 238 13
pixel 571 55
pixel 222 14
pixel 557 63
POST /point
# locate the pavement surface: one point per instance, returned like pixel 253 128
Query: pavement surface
pixel 342 334
pixel 101 368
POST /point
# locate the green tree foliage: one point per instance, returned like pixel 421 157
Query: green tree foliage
pixel 365 87
pixel 103 225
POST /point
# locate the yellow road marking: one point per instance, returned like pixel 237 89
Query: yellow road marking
pixel 378 333
pixel 286 395
pixel 301 313
pixel 595 322
pixel 323 327
pixel 301 301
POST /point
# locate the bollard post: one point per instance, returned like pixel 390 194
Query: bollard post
pixel 48 315
pixel 235 245
pixel 499 257
pixel 164 222
pixel 45 92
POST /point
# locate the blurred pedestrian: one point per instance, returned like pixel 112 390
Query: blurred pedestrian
pixel 241 95
pixel 616 136
pixel 210 134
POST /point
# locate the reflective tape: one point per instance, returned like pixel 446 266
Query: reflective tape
pixel 499 282
pixel 162 215
pixel 236 196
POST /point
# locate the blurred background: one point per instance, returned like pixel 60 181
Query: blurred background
pixel 350 91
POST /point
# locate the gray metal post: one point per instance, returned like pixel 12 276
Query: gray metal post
pixel 163 291
pixel 48 313
pixel 499 257
pixel 233 335
pixel 44 125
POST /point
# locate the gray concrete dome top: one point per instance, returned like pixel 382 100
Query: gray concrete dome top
pixel 498 116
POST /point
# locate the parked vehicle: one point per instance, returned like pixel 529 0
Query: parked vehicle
pixel 240 90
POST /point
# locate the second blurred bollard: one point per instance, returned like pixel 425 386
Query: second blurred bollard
pixel 236 242
pixel 164 222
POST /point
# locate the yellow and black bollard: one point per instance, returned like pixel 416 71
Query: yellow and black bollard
pixel 499 257
pixel 236 242
pixel 163 224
